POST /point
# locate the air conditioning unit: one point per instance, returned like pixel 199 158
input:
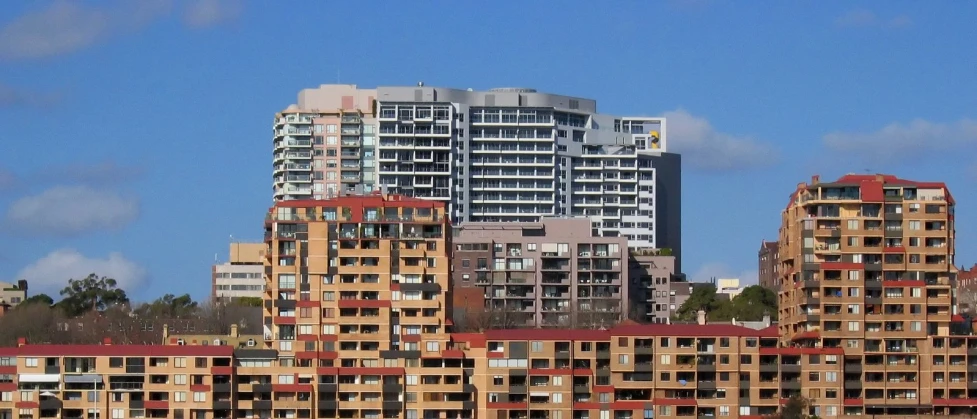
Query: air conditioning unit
pixel 181 342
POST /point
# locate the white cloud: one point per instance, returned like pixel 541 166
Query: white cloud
pixel 14 97
pixel 201 13
pixel 861 18
pixel 720 270
pixel 704 148
pixel 52 272
pixel 898 140
pixel 71 210
pixel 67 26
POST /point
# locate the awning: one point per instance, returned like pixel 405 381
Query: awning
pixel 83 378
pixel 39 378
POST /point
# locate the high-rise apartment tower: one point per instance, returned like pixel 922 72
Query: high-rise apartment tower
pixel 507 154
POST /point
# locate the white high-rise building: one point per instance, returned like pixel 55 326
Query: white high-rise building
pixel 507 154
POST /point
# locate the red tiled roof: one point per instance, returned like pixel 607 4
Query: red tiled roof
pixel 118 350
pixel 769 332
pixel 871 187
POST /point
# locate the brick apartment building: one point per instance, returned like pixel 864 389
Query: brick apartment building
pixel 552 273
pixel 768 259
pixel 358 325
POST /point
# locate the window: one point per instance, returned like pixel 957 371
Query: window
pixel 723 342
pixel 180 396
pixel 531 247
pixel 118 413
pixel 30 362
pixel 666 359
pixel 180 379
pixel 557 398
pixel 723 410
pixel 557 380
pixel 537 346
pixel 433 347
pixel 411 380
pixel 623 359
pixel 199 396
pixel 852 326
pixel 914 225
pixel 854 275
pixel 853 224
pixel 180 362
pixel 831 376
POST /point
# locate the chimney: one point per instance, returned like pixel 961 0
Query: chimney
pixel 234 331
pixel 815 179
pixel 107 341
pixel 21 342
pixel 701 317
pixel 880 177
pixel 733 321
pixel 766 320
pixel 166 332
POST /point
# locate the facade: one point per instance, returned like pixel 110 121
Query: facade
pixel 491 156
pixel 652 276
pixel 551 273
pixel 13 294
pixel 242 276
pixel 967 289
pixel 769 265
pixel 324 145
pixel 866 265
pixel 357 291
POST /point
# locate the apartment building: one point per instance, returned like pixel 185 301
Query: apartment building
pixel 13 294
pixel 500 155
pixel 324 146
pixel 652 274
pixel 550 273
pixel 242 276
pixel 769 265
pixel 357 289
pixel 867 265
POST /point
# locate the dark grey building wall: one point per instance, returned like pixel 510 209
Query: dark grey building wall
pixel 668 205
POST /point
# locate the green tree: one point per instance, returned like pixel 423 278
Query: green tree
pixel 797 407
pixel 750 305
pixel 38 299
pixel 248 301
pixel 703 297
pixel 169 306
pixel 753 303
pixel 91 293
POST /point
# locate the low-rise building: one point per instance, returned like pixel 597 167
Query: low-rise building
pixel 13 294
pixel 243 273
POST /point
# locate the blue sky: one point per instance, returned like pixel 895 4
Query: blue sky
pixel 136 134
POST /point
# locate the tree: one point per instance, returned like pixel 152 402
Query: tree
pixel 169 306
pixel 92 293
pixel 469 319
pixel 38 299
pixel 753 303
pixel 750 305
pixel 702 298
pixel 248 301
pixel 796 407
pixel 37 323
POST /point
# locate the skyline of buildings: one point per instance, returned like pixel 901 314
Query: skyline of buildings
pixel 508 154
pixel 359 303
